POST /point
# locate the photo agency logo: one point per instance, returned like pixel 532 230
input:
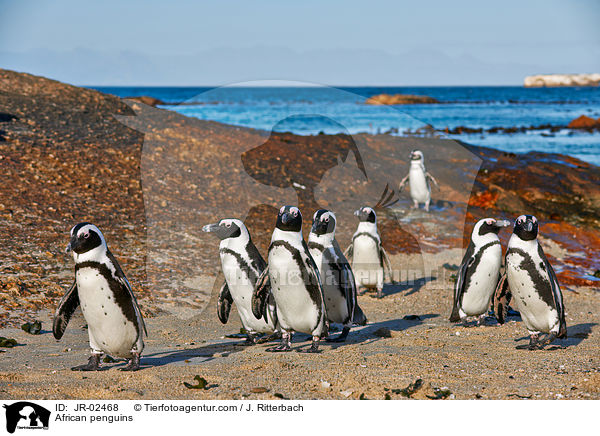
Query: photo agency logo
pixel 311 147
pixel 25 415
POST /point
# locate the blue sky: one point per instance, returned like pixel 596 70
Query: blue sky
pixel 147 42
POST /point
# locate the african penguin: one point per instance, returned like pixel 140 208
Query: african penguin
pixel 115 323
pixel 479 271
pixel 532 282
pixel 295 283
pixel 242 264
pixel 367 254
pixel 418 179
pixel 339 286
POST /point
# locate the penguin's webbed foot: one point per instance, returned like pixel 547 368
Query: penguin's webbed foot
pixel 341 338
pixel 250 340
pixel 550 338
pixel 534 344
pixel 380 293
pixel 314 347
pixel 92 365
pixel 285 345
pixel 134 363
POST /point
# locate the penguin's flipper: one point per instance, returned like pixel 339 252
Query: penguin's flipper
pixel 349 253
pixel 402 183
pixel 312 267
pixel 348 287
pixel 224 303
pixel 556 294
pixel 386 260
pixel 271 309
pixel 120 275
pixel 430 177
pixel 467 261
pixel 502 297
pixel 68 303
pixel 262 290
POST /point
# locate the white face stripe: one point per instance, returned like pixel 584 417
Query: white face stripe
pixel 294 209
pixel 329 215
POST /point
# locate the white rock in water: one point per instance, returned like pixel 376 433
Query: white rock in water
pixel 542 80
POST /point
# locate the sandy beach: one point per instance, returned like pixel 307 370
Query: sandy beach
pixel 151 178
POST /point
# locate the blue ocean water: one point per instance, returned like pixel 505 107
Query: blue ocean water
pixel 342 110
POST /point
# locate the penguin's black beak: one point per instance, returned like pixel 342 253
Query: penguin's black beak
pixel 286 218
pixel 357 212
pixel 528 226
pixel 73 244
pixel 209 228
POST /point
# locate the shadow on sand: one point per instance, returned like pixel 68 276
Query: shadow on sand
pixel 372 331
pixel 409 287
pixel 575 335
pixel 193 355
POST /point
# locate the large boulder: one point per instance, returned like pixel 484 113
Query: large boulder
pixel 584 122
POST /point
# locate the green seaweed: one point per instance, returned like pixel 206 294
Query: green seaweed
pixel 33 328
pixel 7 343
pixel 410 390
pixel 202 383
pixel 439 394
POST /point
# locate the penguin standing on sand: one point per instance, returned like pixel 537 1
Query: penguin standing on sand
pixel 115 323
pixel 295 284
pixel 242 265
pixel 479 271
pixel 339 286
pixel 418 179
pixel 533 285
pixel 367 254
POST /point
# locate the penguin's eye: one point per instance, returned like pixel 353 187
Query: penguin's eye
pixel 326 220
pixel 227 225
pixel 86 235
pixel 294 213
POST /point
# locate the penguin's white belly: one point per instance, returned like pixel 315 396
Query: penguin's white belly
pixel 476 299
pixel 108 327
pixel 365 262
pixel 419 189
pixel 295 309
pixel 536 314
pixel 241 289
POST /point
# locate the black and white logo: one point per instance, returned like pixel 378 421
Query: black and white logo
pixel 26 415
